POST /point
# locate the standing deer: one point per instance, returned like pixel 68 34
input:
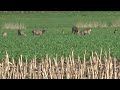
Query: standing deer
pixel 75 29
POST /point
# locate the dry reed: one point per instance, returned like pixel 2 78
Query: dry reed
pixel 91 24
pixel 97 67
pixel 13 26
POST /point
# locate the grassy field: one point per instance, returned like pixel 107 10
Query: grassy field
pixel 54 41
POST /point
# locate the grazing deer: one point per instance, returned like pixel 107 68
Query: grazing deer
pixel 38 32
pixel 85 31
pixel 21 33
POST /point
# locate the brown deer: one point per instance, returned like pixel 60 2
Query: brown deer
pixel 38 32
pixel 21 33
pixel 85 31
pixel 75 30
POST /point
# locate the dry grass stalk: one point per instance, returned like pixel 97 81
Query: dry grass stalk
pixel 116 24
pixel 13 26
pixel 91 24
pixel 97 67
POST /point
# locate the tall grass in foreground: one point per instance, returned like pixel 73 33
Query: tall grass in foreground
pixel 98 67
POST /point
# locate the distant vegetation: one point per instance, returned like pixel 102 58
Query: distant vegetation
pixel 58 38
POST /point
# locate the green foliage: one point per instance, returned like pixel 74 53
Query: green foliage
pixel 54 41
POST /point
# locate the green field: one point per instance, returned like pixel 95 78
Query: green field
pixel 54 41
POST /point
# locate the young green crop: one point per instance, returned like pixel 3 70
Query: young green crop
pixel 58 39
